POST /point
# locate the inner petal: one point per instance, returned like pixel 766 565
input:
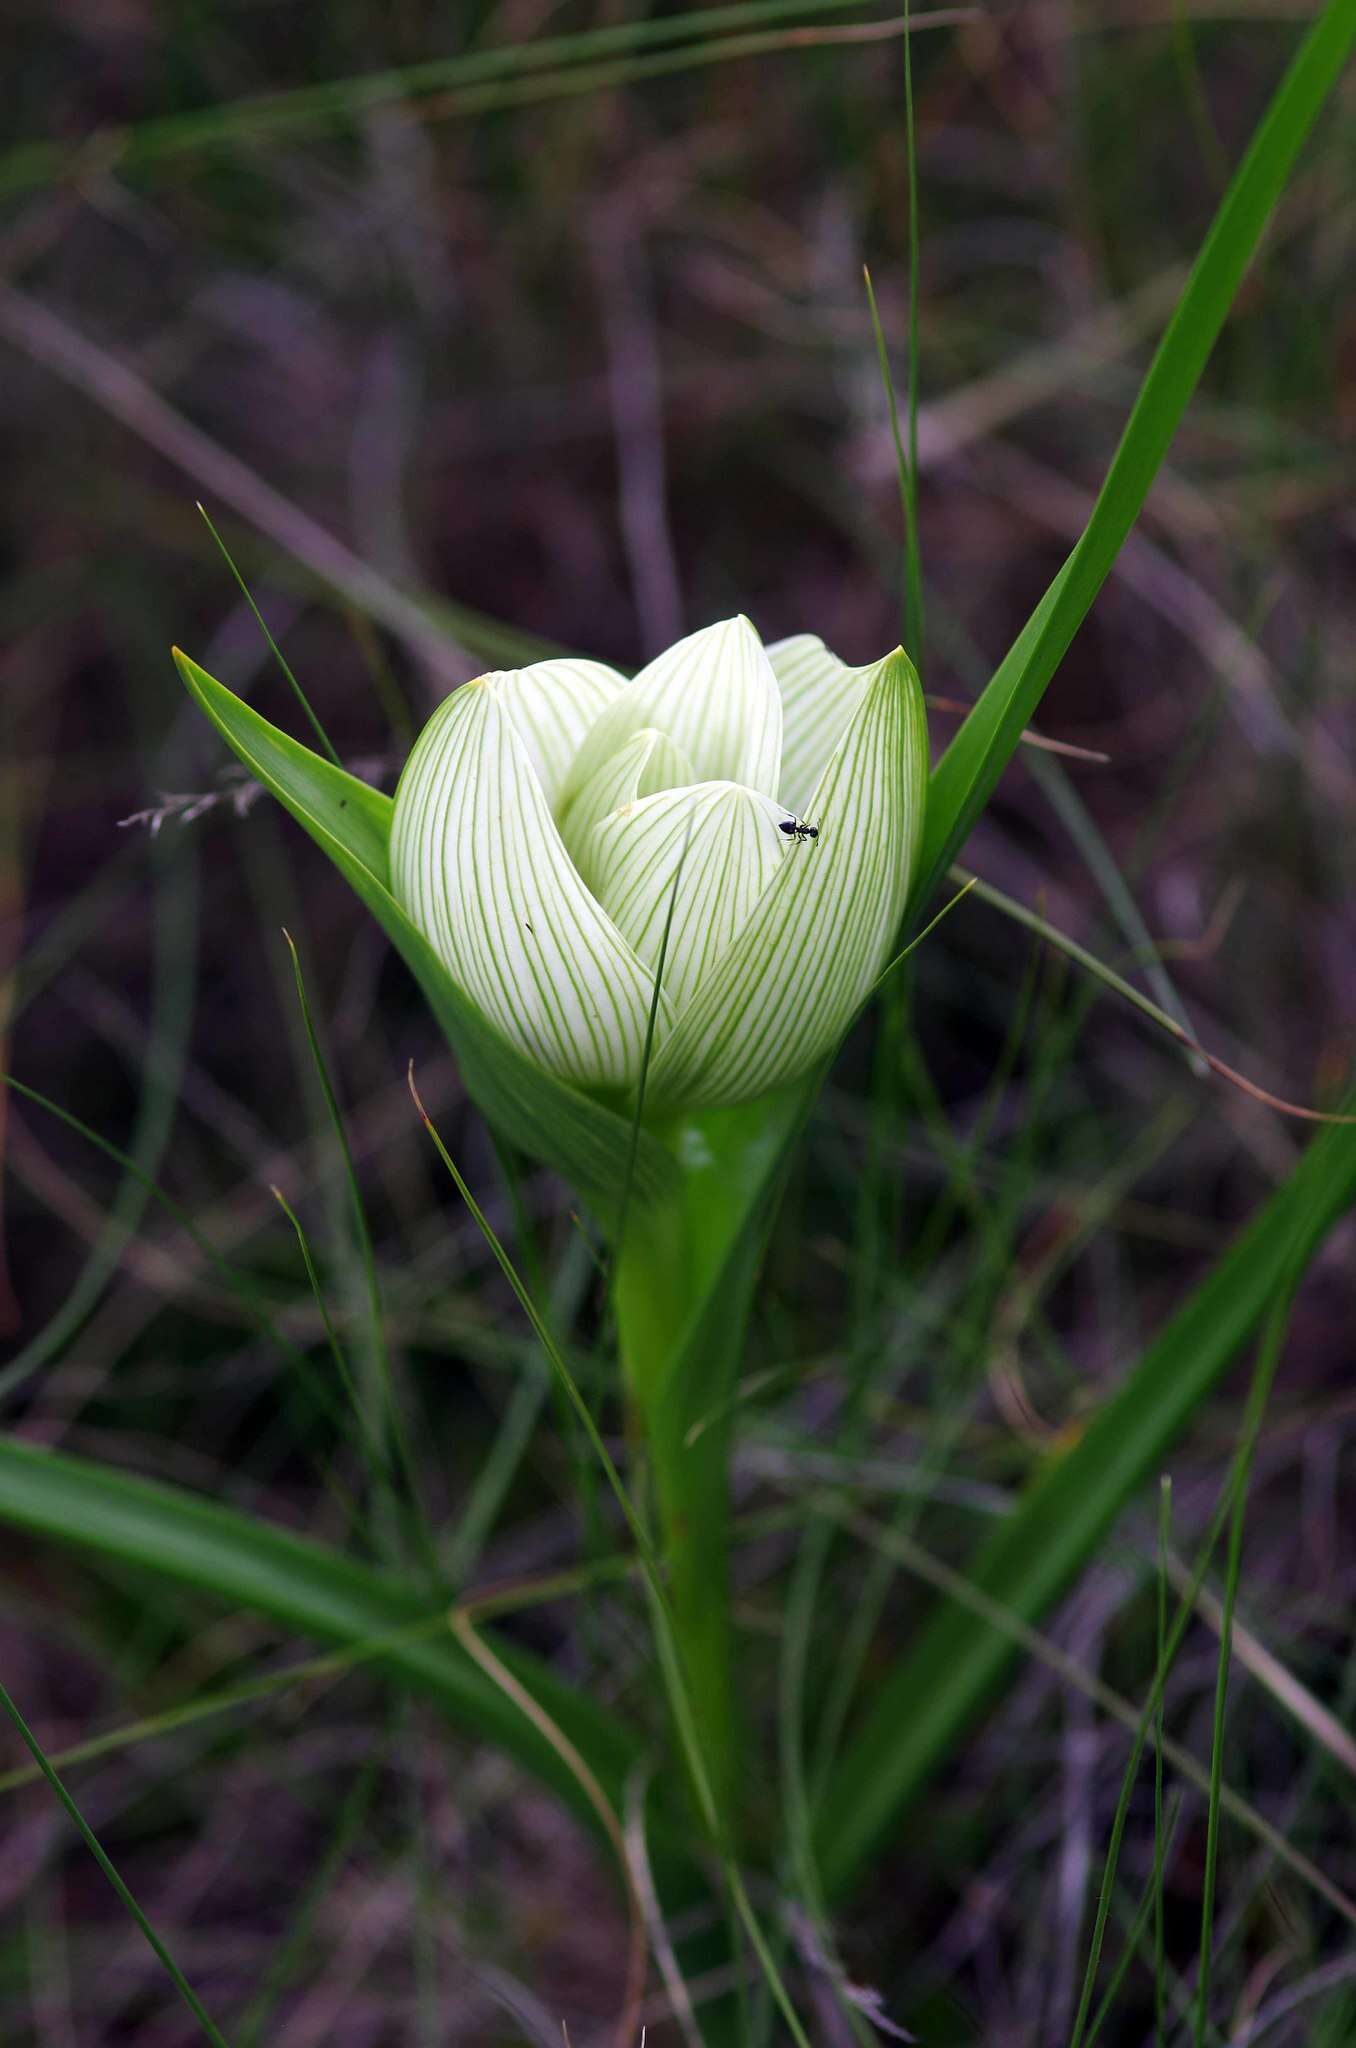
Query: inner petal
pixel 716 697
pixel 648 762
pixel 705 853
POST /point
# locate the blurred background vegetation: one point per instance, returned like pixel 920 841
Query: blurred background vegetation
pixel 492 346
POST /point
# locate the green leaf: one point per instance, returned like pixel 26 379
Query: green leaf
pixel 968 772
pixel 351 822
pixel 953 1671
pixel 302 1585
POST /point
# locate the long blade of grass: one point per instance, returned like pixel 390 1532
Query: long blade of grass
pixel 173 990
pixel 344 100
pixel 908 488
pixel 913 545
pixel 286 1963
pixel 913 1557
pixel 967 773
pixel 396 1434
pixel 374 1452
pixel 1134 1934
pixel 1166 1021
pixel 307 707
pixel 305 1586
pixel 1271 1352
pixel 957 1663
pixel 308 1676
pixel 237 1282
pixel 1061 793
pixel 97 1851
pixel 1264 1373
pixel 1160 1848
pixel 462 1623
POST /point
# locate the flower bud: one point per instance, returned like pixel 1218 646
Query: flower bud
pixel 747 817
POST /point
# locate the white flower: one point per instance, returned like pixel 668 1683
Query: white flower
pixel 550 818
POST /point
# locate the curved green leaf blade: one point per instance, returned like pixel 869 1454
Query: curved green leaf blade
pixel 967 773
pixel 351 822
pixel 320 1593
pixel 953 1671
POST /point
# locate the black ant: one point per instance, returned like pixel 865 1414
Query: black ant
pixel 796 828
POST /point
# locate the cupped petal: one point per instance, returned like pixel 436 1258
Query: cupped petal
pixel 478 864
pixel 648 762
pixel 707 852
pixel 716 697
pixel 792 980
pixel 553 704
pixel 819 695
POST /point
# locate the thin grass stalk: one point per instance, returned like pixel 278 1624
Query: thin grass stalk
pixel 261 622
pixel 393 1421
pixel 106 1865
pixel 1134 1934
pixel 1160 1852
pixel 230 1276
pixel 913 580
pixel 1264 1372
pixel 336 102
pixel 289 1958
pixel 1212 1831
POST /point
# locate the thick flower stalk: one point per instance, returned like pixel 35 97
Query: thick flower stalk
pixel 554 822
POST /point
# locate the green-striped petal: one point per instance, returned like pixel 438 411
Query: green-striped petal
pixel 554 704
pixel 789 985
pixel 716 697
pixel 719 843
pixel 819 695
pixel 648 762
pixel 478 864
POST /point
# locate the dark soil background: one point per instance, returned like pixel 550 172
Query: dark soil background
pixel 591 372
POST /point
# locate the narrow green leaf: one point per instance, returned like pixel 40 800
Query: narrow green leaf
pixel 308 710
pixel 966 775
pixel 351 822
pixel 302 1585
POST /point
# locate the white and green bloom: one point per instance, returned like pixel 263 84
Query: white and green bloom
pixel 552 821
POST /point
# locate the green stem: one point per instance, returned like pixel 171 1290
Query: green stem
pixel 659 1290
pixel 683 1285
